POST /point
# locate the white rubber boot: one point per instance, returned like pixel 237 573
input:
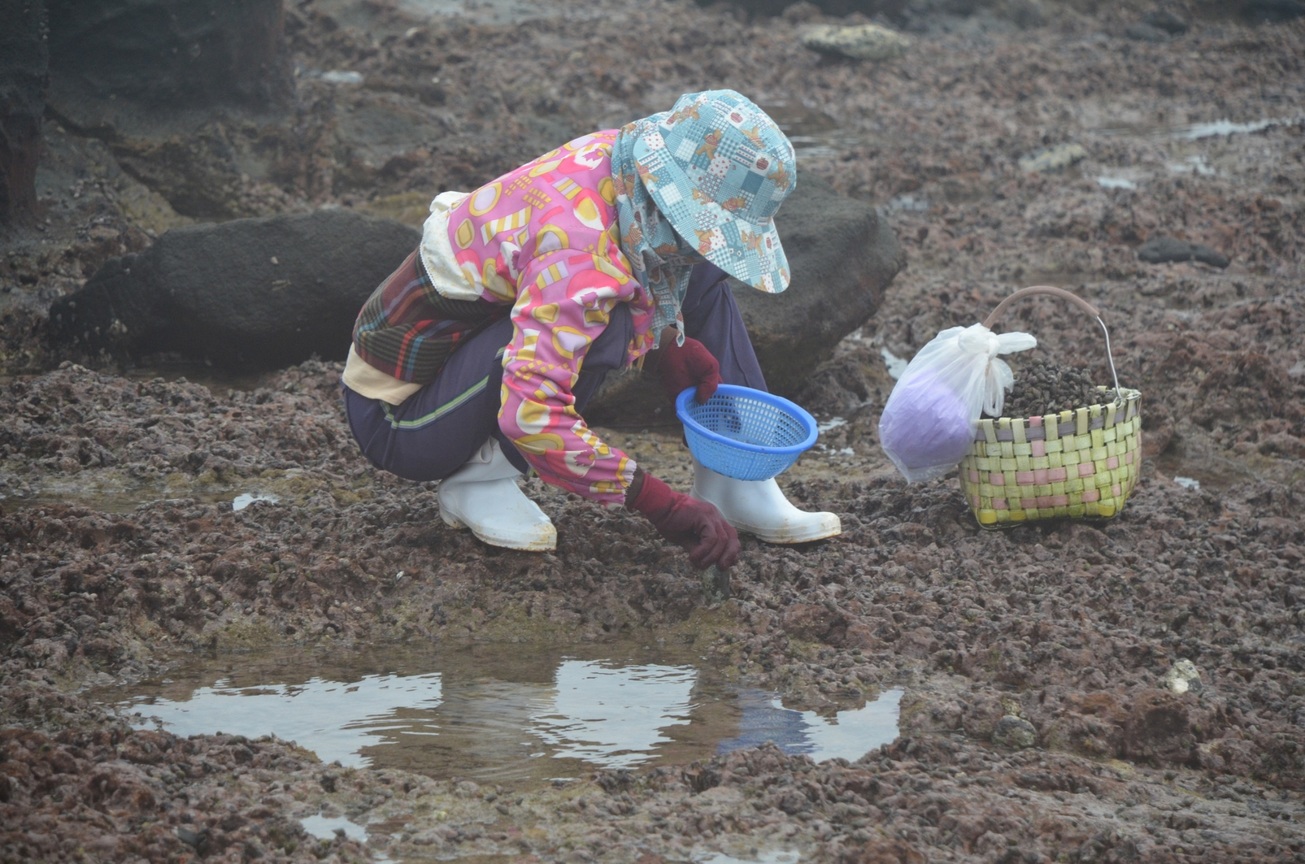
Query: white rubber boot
pixel 758 507
pixel 483 495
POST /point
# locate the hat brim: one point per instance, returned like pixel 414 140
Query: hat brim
pixel 751 253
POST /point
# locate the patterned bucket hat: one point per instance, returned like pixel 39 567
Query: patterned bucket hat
pixel 719 167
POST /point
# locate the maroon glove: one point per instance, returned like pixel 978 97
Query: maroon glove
pixel 688 365
pixel 695 525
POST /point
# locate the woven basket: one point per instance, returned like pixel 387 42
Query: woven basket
pixel 1077 464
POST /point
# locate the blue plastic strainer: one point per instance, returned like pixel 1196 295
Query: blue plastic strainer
pixel 744 433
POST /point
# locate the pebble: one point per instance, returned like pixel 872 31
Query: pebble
pixel 1182 676
pixel 1015 733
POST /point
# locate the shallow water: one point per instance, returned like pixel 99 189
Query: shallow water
pixel 516 715
pixel 1195 131
pixel 112 495
pixel 494 11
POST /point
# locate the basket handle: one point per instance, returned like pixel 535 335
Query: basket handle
pixel 1066 295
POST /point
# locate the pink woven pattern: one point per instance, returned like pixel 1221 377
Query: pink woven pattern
pixel 1076 464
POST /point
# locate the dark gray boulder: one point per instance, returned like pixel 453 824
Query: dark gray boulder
pixel 1166 250
pixel 258 294
pixel 244 295
pixel 24 60
pixel 844 256
pixel 165 54
pixel 196 100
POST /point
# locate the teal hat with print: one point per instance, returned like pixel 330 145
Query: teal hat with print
pixel 719 167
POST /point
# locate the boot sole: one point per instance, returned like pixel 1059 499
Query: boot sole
pixel 545 543
pixel 780 537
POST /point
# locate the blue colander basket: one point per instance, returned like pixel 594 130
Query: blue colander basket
pixel 744 433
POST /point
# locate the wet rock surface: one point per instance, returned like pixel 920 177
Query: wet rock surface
pixel 165 56
pixel 244 295
pixel 1042 717
pixel 1167 250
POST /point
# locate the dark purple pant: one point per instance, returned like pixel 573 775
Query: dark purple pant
pixel 437 429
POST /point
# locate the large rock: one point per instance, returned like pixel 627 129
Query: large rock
pixel 23 63
pixel 245 295
pixel 195 99
pixel 171 55
pixel 255 294
pixel 843 255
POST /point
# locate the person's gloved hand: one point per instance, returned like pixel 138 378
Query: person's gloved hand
pixel 688 365
pixel 695 525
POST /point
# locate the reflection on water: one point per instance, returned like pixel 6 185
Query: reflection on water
pixel 1220 128
pixel 515 717
pixel 244 499
pixel 337 718
pixel 843 736
pixel 326 827
pixel 614 716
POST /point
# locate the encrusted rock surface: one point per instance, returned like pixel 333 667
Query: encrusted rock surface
pixel 121 552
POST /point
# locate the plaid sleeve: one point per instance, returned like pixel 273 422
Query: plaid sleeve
pixel 408 330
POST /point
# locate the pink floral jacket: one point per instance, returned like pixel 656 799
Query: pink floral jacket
pixel 543 238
